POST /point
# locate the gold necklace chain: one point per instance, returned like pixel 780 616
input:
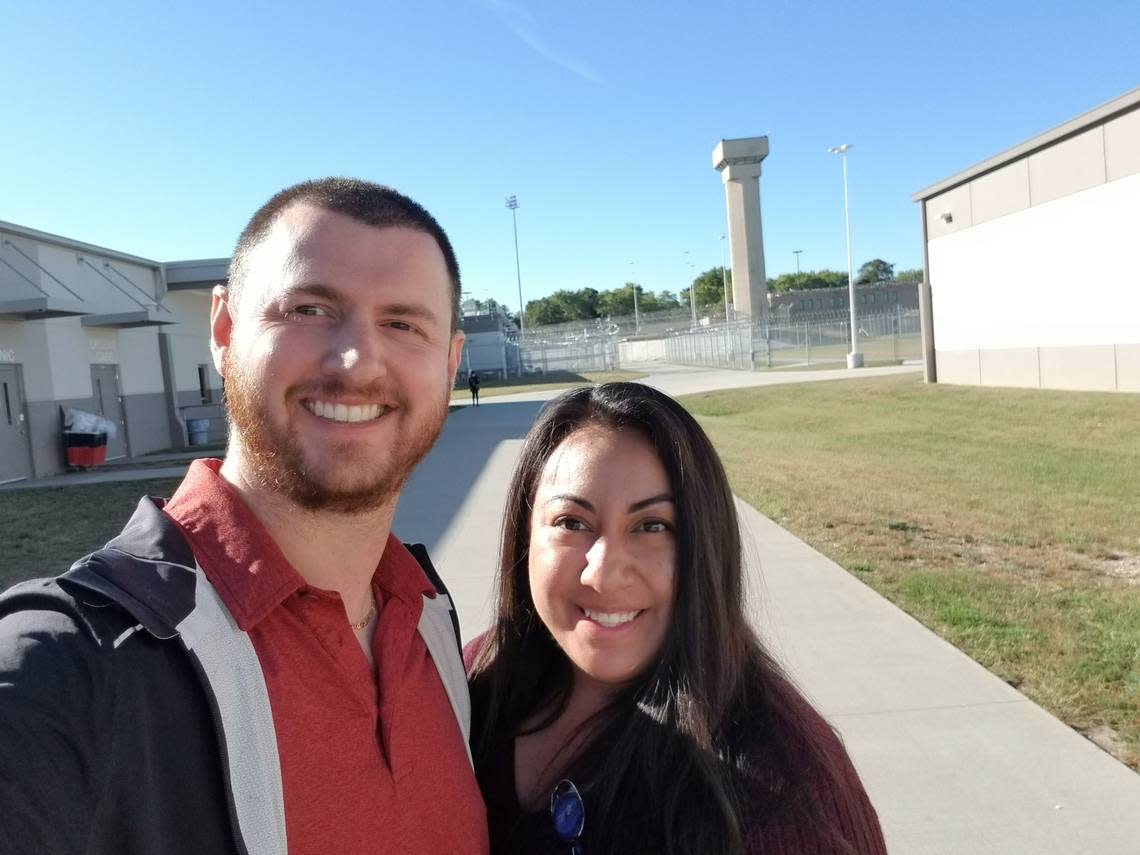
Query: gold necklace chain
pixel 359 626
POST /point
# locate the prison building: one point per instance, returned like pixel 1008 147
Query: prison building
pixel 1032 261
pixel 95 329
pixel 879 298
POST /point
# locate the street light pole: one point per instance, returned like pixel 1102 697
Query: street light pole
pixel 854 358
pixel 636 314
pixel 796 253
pixel 692 293
pixel 724 275
pixel 513 204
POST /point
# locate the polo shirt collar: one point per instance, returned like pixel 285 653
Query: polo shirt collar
pixel 244 563
pixel 234 550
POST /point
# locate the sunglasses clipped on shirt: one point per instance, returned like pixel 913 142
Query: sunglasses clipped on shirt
pixel 569 815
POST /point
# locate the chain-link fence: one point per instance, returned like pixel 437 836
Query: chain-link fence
pixel 889 337
pixel 820 340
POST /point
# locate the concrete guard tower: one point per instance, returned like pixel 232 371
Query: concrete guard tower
pixel 738 162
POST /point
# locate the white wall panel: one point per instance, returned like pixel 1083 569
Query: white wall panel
pixel 1089 368
pixel 1128 367
pixel 1122 146
pixel 190 338
pixel 140 368
pixel 1019 366
pixel 1064 273
pixel 25 342
pixel 959 366
pixel 70 358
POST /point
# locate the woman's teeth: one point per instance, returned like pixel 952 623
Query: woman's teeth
pixel 610 619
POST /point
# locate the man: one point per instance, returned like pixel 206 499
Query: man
pixel 473 385
pixel 259 665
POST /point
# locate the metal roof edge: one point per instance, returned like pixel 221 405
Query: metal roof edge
pixel 68 243
pixel 1097 115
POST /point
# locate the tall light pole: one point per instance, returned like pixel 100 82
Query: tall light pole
pixel 513 204
pixel 724 275
pixel 854 358
pixel 796 253
pixel 636 314
pixel 692 292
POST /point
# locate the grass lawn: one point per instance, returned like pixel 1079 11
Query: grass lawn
pixel 1006 520
pixel 45 530
pixel 541 382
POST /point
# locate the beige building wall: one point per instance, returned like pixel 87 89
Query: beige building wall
pixel 69 360
pixel 140 369
pixel 190 339
pixel 26 344
pixel 1034 266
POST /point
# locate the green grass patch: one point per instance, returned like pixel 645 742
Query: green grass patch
pixel 1004 519
pixel 542 382
pixel 46 529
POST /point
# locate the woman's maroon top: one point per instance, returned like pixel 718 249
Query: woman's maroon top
pixel 514 831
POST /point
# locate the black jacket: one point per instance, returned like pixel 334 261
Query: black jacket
pixel 133 712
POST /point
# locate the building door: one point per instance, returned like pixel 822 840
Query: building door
pixel 109 404
pixel 15 453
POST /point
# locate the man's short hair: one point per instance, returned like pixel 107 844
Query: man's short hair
pixel 364 201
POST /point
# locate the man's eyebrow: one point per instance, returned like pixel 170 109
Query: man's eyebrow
pixel 409 310
pixel 652 500
pixel 312 289
pixel 324 292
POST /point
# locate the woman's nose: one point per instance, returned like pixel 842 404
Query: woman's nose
pixel 607 565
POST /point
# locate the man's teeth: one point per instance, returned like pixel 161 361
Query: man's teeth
pixel 344 413
pixel 611 620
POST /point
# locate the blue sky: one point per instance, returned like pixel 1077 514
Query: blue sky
pixel 157 129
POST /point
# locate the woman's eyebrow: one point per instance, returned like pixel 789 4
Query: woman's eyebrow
pixel 652 500
pixel 570 497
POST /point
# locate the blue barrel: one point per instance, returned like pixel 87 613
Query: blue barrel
pixel 199 431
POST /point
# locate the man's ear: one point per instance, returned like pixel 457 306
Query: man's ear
pixel 221 326
pixel 456 354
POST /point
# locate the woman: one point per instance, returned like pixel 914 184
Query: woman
pixel 621 702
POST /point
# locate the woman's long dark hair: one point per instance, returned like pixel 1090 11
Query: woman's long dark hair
pixel 675 762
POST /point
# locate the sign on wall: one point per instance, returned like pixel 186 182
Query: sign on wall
pixel 103 353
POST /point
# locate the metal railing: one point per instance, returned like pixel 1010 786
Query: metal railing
pixel 821 340
pixel 887 337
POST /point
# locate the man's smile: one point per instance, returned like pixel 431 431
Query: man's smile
pixel 345 412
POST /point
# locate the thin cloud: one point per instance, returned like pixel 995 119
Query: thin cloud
pixel 525 26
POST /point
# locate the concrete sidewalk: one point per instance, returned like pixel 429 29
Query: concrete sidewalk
pixel 167 465
pixel 956 761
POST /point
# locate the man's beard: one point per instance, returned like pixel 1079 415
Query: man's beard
pixel 274 459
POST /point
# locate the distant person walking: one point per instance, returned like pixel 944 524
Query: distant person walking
pixel 473 385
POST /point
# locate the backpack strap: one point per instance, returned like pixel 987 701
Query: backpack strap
pixel 441 636
pixel 420 553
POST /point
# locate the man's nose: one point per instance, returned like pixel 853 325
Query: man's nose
pixel 607 565
pixel 357 350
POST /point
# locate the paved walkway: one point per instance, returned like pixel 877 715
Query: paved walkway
pixel 171 464
pixel 956 761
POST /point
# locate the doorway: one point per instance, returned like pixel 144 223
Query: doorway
pixel 15 452
pixel 109 404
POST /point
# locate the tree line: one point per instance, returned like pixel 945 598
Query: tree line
pixel 588 303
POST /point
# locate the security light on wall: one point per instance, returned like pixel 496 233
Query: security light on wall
pixel 947 217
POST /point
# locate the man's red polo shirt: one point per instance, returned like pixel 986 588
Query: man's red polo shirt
pixel 367 765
